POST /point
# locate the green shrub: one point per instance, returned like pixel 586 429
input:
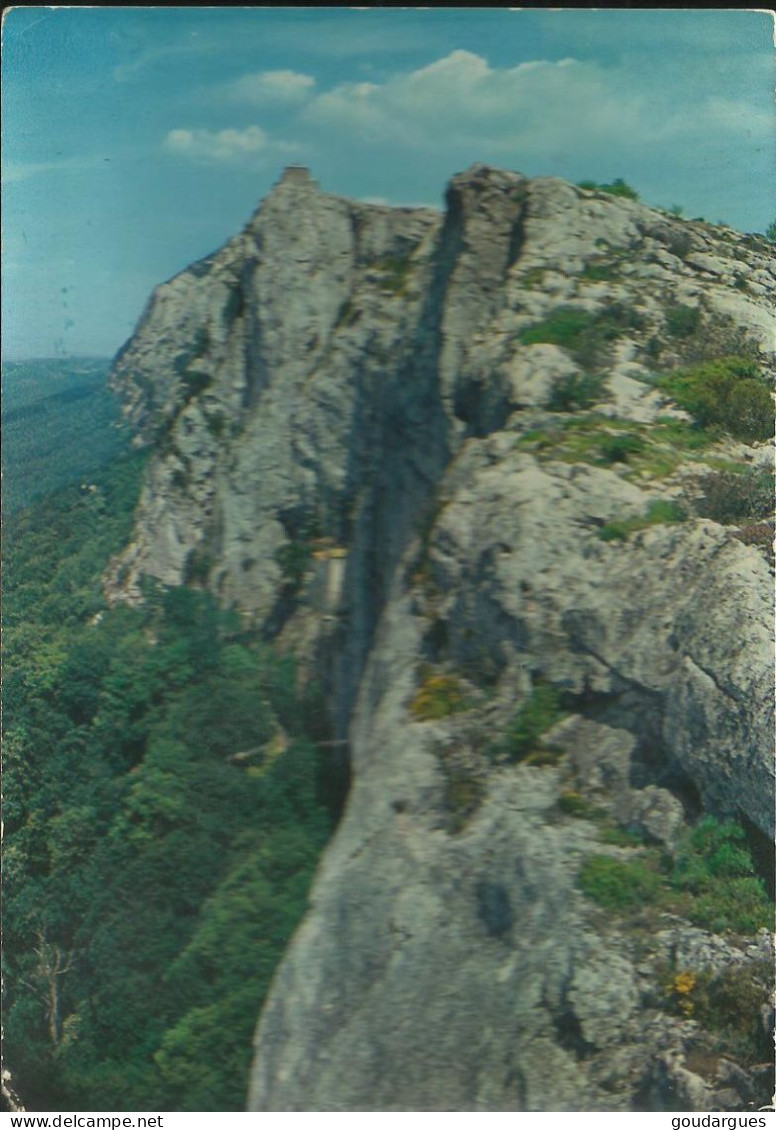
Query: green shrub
pixel 664 512
pixel 714 864
pixel 564 326
pixel 682 321
pixel 718 339
pixel 395 275
pixel 749 414
pixel 681 434
pixel 727 1005
pixel 739 905
pixel 540 713
pixel 711 882
pixel 533 278
pixel 653 349
pixel 294 560
pixel 620 885
pixel 695 338
pixel 659 513
pixel 577 390
pixel 598 272
pixel 617 448
pixel 770 232
pixel 728 393
pixel 587 337
pixel 572 803
pixel 732 496
pixel 656 449
pixel 618 187
pixel 617 531
pixel 712 850
pixel 760 534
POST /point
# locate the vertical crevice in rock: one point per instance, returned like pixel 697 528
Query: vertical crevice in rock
pixel 400 450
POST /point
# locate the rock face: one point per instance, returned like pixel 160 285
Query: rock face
pixel 348 401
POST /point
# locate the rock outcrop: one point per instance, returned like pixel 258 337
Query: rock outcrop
pixel 361 441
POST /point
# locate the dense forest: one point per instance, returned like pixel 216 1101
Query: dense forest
pixel 166 801
pixel 60 421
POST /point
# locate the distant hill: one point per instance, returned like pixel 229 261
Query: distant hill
pixel 59 421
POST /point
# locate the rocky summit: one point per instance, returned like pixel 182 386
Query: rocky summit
pixel 498 477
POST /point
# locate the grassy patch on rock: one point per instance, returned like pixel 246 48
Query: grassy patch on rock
pixel 619 884
pixel 522 739
pixel 598 272
pixel 438 696
pixel 577 390
pixel 712 881
pixel 587 336
pixel 654 450
pixel 661 512
pixel 394 275
pixel 715 874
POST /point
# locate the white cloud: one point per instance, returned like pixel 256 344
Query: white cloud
pixel 227 146
pixel 461 97
pixel 269 87
pixel 537 109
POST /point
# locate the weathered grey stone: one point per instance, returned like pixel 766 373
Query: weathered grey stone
pixel 657 812
pixel 358 373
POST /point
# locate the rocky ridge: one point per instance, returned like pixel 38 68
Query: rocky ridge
pixel 358 442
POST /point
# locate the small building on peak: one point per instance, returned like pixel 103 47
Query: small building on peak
pixel 298 175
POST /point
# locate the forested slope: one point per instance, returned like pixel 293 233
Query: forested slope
pixel 163 815
pixel 60 421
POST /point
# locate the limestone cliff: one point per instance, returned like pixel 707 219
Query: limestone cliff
pixel 393 439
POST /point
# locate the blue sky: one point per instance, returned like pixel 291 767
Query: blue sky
pixel 137 140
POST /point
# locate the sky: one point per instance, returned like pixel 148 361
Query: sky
pixel 138 140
